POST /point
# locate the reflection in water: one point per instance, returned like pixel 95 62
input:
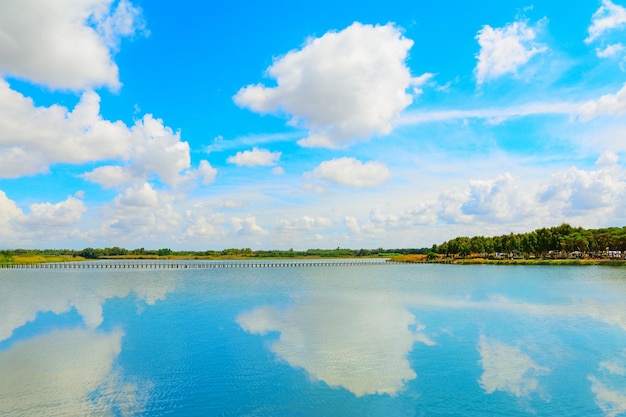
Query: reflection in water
pixel 25 295
pixel 70 372
pixel 506 368
pixel 356 341
pixel 608 386
pixel 56 373
pixel 509 341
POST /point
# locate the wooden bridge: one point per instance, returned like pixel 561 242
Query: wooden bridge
pixel 152 264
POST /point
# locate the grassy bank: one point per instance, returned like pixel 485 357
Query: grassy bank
pixel 483 261
pixel 37 259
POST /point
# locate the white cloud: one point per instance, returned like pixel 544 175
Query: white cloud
pixel 506 368
pixel 255 157
pixel 51 221
pixel 125 21
pixel 501 198
pixel 577 196
pixel 324 88
pixel 504 50
pixel 577 191
pixel 609 16
pixel 63 214
pixel 138 212
pixel 607 105
pixel 304 223
pixel 109 176
pixel 610 50
pixel 500 113
pixel 203 222
pixel 72 45
pixel 247 226
pixel 206 172
pixel 359 342
pixel 352 224
pixel 144 196
pixel 32 139
pixel 351 172
pixel 9 213
pixel 608 158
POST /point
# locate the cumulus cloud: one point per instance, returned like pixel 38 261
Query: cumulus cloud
pixel 255 157
pixel 608 158
pixel 65 213
pixel 608 17
pixel 247 226
pixel 109 176
pixel 206 172
pixel 359 342
pixel 500 198
pixel 73 44
pixel 607 105
pixel 504 50
pixel 352 224
pixel 576 191
pixel 506 368
pixel 610 50
pixel 53 221
pixel 325 88
pixel 32 139
pixel 203 222
pixel 351 172
pixel 140 211
pixel 304 223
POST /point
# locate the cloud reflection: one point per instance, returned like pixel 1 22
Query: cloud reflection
pixel 506 368
pixel 609 387
pixel 356 341
pixel 57 374
pixel 23 296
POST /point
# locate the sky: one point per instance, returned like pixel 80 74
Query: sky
pixel 198 125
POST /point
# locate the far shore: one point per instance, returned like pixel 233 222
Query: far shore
pixel 506 261
pixel 410 259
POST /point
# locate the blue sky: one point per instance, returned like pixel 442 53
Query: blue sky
pixel 203 125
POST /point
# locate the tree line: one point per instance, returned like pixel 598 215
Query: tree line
pixel 545 242
pixel 119 252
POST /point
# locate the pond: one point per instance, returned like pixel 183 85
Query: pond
pixel 343 340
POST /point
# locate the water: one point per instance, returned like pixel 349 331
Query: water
pixel 403 340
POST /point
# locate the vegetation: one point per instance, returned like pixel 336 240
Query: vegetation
pixel 561 244
pixel 21 256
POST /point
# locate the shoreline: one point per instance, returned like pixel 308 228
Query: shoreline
pixel 420 259
pixel 401 259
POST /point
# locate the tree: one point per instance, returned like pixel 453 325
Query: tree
pixel 89 253
pixel 164 252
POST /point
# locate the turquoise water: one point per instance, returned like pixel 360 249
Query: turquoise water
pixel 401 340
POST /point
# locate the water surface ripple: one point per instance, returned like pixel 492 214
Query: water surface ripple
pixel 314 340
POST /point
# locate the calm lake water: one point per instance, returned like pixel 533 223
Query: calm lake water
pixel 380 340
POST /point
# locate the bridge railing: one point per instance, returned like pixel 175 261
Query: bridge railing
pixel 138 264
